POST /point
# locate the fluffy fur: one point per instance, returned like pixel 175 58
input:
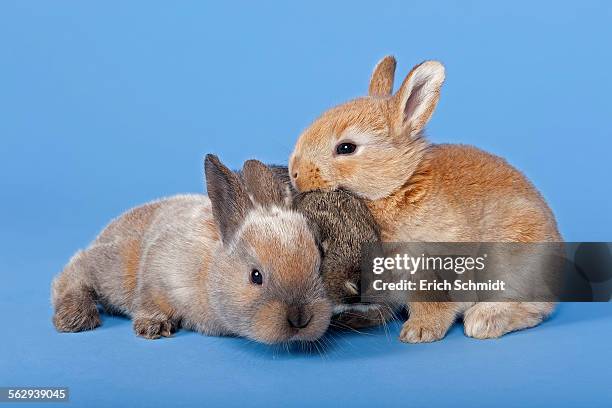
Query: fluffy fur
pixel 187 261
pixel 418 191
pixel 342 224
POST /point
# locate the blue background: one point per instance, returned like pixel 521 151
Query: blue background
pixel 105 106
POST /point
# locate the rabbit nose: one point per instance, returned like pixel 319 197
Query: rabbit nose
pixel 297 317
pixel 294 165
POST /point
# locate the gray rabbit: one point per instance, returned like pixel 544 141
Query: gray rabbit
pixel 231 263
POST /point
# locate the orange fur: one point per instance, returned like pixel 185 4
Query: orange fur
pixel 456 179
pixel 163 304
pixel 131 259
pixel 423 192
pixel 381 83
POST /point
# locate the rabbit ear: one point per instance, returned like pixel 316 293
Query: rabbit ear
pixel 261 183
pixel 230 202
pixel 381 82
pixel 418 96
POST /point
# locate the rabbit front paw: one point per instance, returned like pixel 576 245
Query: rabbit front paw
pixel 420 330
pixel 153 328
pixel 485 323
pixel 490 320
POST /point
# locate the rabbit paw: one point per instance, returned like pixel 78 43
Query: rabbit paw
pixel 486 321
pixel 76 312
pixel 494 319
pixel 417 330
pixel 152 327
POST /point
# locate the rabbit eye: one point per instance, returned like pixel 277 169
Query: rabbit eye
pixel 256 277
pixel 346 148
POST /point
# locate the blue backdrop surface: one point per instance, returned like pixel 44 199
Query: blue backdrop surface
pixel 105 106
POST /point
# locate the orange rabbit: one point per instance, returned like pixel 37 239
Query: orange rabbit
pixel 374 146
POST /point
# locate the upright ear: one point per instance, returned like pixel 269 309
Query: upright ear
pixel 381 83
pixel 230 202
pixel 261 183
pixel 418 96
